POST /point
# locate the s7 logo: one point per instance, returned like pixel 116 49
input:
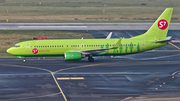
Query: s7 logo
pixel 162 24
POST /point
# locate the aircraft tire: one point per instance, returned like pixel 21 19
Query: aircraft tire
pixel 24 60
pixel 90 59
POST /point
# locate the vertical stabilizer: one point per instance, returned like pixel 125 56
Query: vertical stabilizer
pixel 159 30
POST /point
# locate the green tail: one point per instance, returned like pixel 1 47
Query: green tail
pixel 159 30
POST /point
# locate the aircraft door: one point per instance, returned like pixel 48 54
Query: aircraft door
pixel 80 46
pixel 143 45
pixel 28 46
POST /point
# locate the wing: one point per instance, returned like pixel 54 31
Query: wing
pixel 96 51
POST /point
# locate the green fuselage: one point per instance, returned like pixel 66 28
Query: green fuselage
pixel 75 49
pixel 59 47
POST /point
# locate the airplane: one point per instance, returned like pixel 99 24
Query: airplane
pixel 76 49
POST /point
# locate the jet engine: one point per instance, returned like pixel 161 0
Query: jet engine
pixel 72 56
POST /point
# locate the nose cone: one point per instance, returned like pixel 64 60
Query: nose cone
pixel 10 50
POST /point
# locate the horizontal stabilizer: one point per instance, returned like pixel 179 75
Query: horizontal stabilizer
pixel 167 39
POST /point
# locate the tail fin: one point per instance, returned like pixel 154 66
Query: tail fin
pixel 158 31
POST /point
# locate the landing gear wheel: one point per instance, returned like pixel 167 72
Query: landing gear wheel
pixel 24 60
pixel 90 59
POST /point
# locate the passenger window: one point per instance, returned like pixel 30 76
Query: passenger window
pixel 16 46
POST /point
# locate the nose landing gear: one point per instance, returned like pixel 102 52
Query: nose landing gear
pixel 24 60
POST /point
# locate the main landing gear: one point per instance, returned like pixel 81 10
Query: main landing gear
pixel 90 59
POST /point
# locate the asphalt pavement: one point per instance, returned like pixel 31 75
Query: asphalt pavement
pixel 147 76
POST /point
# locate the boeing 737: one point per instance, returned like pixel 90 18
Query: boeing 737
pixel 76 49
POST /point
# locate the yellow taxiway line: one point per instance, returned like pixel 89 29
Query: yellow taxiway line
pixel 70 78
pixel 174 45
pixel 59 86
pixel 52 73
pixel 175 73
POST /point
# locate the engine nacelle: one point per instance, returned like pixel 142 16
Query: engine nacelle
pixel 72 56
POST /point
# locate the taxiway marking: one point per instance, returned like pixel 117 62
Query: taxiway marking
pixel 70 78
pixel 159 89
pixel 175 73
pixel 159 57
pixel 113 63
pixel 52 73
pixel 86 66
pixel 63 78
pixel 33 97
pixel 75 78
pixel 174 45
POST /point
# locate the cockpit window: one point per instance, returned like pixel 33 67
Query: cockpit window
pixel 16 46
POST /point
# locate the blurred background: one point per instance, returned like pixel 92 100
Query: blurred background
pixel 85 10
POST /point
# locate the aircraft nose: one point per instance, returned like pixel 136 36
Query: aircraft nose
pixel 10 50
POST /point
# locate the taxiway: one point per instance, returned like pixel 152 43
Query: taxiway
pixel 150 75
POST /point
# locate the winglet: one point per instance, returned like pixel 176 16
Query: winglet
pixel 117 44
pixel 109 36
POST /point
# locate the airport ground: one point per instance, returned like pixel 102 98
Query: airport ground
pixel 59 11
pixel 147 76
